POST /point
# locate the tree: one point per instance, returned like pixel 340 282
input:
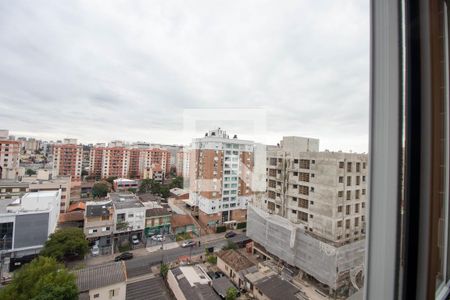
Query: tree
pixel 230 245
pixel 146 185
pixel 30 172
pixel 65 244
pixel 231 294
pixel 177 182
pixel 100 189
pixel 163 270
pixel 111 179
pixel 41 279
pixel 165 192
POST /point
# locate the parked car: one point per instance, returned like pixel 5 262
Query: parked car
pixel 188 244
pixel 230 234
pixel 159 238
pixel 124 256
pixel 95 250
pixel 134 240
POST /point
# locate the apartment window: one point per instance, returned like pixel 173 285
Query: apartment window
pixel 304 190
pixel 295 161
pixel 339 208
pixel 363 191
pixel 294 211
pixel 347 209
pixel 312 189
pixel 304 164
pixel 96 296
pixel 339 224
pixel 303 203
pixel 112 293
pixel 341 179
pixel 364 165
pixel 364 179
pixel 358 180
pixel 358 167
pixel 341 165
pixel 349 167
pixel 295 173
pixel 340 194
pixel 356 222
pixel 347 224
pixel 303 216
pixel 349 195
pixel 311 216
pixel 356 208
pixel 357 194
pixel 363 205
pixel 304 177
pixel 349 180
pixel 294 199
pixel 271 194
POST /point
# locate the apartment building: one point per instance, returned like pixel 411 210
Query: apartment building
pixel 68 159
pixel 63 183
pixel 125 162
pixel 129 214
pixel 220 177
pixel 183 160
pixel 324 191
pixel 11 189
pixel 315 207
pixel 99 224
pixel 9 157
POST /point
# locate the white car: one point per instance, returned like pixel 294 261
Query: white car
pixel 95 250
pixel 134 240
pixel 188 244
pixel 158 238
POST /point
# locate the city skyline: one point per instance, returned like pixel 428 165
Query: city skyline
pixel 94 71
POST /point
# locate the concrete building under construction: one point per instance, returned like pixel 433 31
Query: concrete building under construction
pixel 313 214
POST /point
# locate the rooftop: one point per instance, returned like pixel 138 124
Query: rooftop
pixel 178 191
pixel 155 212
pixel 193 282
pixel 12 183
pixel 221 285
pixel 276 288
pixel 77 206
pixel 98 208
pixel 235 260
pixel 100 276
pixel 125 200
pixel 36 201
pixel 181 220
pixel 153 288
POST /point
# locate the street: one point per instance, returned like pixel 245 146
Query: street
pixel 144 260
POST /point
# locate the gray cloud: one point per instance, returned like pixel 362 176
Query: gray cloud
pixel 126 70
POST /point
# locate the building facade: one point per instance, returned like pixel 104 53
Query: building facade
pixel 9 159
pixel 123 162
pixel 67 159
pixel 220 177
pixel 27 222
pixel 313 214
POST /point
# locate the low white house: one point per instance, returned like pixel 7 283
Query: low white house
pixel 102 282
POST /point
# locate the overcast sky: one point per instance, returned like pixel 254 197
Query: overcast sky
pixel 104 70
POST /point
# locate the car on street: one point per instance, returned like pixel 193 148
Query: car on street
pixel 230 234
pixel 188 244
pixel 134 240
pixel 124 256
pixel 95 250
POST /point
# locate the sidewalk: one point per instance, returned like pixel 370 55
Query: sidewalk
pixel 96 260
pixel 167 246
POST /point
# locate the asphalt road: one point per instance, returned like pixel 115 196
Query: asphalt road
pixel 141 265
